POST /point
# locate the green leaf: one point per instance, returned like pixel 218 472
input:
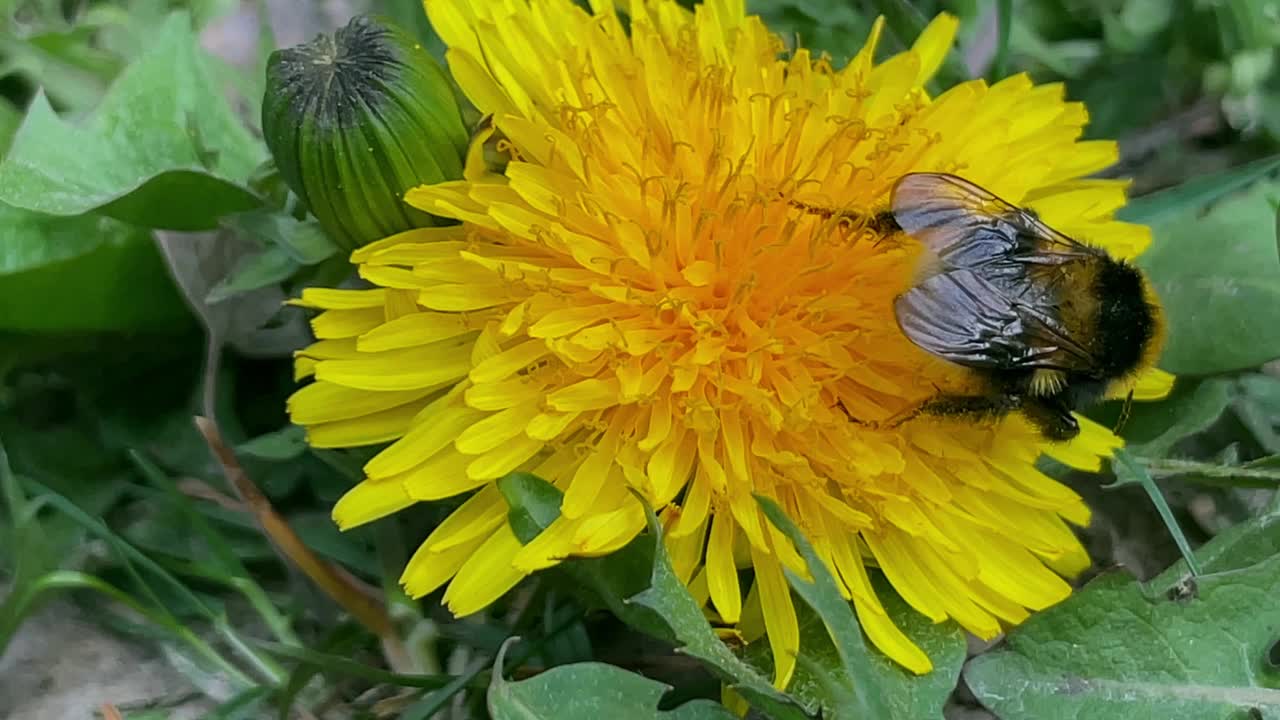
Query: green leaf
pixel 245 704
pixel 837 615
pixel 262 269
pixel 534 504
pixel 1178 648
pixel 1194 405
pixel 80 274
pixel 286 443
pixel 304 241
pixel 255 322
pixel 65 62
pixel 30 240
pixel 1194 195
pixel 668 597
pixel 162 150
pixel 1216 275
pixel 10 119
pixel 588 691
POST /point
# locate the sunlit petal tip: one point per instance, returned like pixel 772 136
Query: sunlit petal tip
pixel 369 501
pixel 934 43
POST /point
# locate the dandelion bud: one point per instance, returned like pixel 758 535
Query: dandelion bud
pixel 356 119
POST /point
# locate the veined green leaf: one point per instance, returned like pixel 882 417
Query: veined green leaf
pixel 587 691
pixel 1218 276
pixel 162 150
pixel 1180 647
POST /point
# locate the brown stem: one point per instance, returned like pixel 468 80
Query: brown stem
pixel 354 596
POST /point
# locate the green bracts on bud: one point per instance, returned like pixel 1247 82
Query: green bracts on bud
pixel 355 120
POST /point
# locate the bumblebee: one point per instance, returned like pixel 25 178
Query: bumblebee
pixel 1048 325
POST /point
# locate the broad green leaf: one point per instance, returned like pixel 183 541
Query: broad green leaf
pixel 1193 196
pixel 1237 547
pixel 831 640
pixel 80 274
pixel 10 118
pixel 29 240
pixel 1178 648
pixel 589 691
pixel 162 150
pixel 1068 59
pixel 1217 275
pixel 63 61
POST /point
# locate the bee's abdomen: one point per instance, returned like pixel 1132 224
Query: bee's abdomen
pixel 1125 323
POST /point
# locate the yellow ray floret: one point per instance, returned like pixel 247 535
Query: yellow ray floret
pixel 639 302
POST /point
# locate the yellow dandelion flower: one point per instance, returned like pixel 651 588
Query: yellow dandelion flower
pixel 637 301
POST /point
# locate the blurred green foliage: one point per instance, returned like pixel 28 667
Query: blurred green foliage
pixel 140 218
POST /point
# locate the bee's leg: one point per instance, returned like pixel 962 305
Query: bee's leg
pixel 983 407
pixel 881 223
pixel 1125 411
pixel 1051 417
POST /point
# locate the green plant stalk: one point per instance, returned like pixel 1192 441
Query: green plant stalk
pixel 1004 27
pixel 1138 473
pixel 236 574
pixel 355 669
pixel 131 555
pixel 268 668
pixel 23 600
pixel 1171 467
pixel 258 599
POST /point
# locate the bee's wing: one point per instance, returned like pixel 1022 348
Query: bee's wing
pixel 966 226
pixel 960 316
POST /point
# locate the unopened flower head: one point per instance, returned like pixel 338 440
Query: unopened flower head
pixel 639 301
pixel 356 118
